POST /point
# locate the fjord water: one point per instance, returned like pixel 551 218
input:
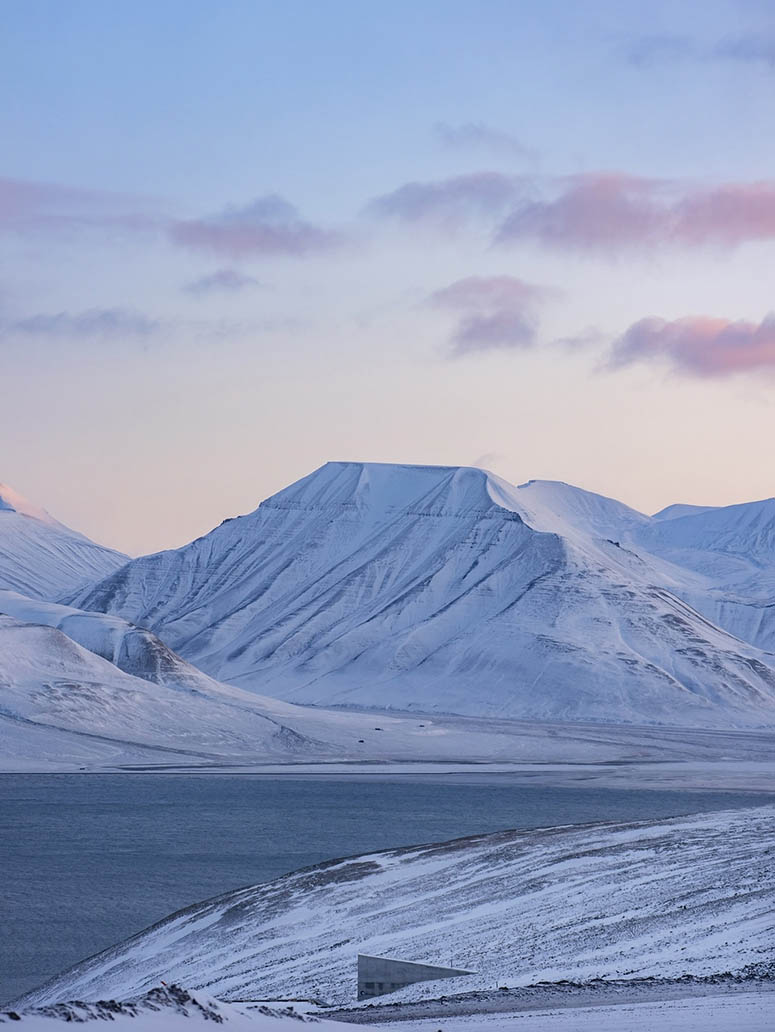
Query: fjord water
pixel 88 860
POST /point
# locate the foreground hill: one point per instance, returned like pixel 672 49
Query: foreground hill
pixel 43 558
pixel 691 895
pixel 448 589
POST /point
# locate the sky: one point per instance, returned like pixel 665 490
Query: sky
pixel 240 239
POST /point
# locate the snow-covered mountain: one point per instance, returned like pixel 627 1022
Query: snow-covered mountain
pixel 448 589
pixel 731 552
pixel 61 704
pixel 89 690
pixel 690 895
pixel 43 558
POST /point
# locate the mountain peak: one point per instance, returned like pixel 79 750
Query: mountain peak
pixel 12 501
pixel 389 487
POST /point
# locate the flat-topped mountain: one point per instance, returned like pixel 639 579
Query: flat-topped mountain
pixel 449 589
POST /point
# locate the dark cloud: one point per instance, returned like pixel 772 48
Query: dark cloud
pixel 267 226
pixel 478 136
pixel 221 281
pixel 494 313
pixel 699 345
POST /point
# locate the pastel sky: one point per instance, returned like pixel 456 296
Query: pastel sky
pixel 238 239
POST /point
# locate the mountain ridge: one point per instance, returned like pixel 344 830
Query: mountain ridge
pixel 43 558
pixel 449 589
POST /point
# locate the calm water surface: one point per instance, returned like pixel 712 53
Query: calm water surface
pixel 89 859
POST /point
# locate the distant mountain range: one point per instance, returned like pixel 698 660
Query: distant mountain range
pixel 409 588
pixel 450 590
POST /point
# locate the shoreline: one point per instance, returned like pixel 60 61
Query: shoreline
pixel 752 776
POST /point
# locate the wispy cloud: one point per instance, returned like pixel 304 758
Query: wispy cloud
pixel 660 49
pixel 27 206
pixel 748 49
pixel 448 203
pixel 229 281
pixel 477 136
pixel 699 345
pixel 493 313
pixel 267 226
pixel 92 323
pixel 611 212
pixel 645 51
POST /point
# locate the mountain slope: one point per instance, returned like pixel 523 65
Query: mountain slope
pixel 43 558
pixel 689 895
pixel 447 589
pixel 62 708
pixel 731 552
pixel 62 703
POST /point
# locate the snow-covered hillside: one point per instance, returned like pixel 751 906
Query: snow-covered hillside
pixel 40 556
pixel 61 703
pixel 690 895
pixel 731 550
pixel 88 690
pixel 448 589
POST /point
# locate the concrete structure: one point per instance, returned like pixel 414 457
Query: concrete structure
pixel 380 975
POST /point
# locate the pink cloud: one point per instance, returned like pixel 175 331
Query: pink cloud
pixel 610 212
pixel 27 206
pixel 601 211
pixel 699 345
pixel 267 226
pixel 495 312
pixel 730 214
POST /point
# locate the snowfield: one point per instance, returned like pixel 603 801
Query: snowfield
pixel 446 589
pixel 691 895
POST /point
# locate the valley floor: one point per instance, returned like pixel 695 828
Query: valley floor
pixel 359 742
